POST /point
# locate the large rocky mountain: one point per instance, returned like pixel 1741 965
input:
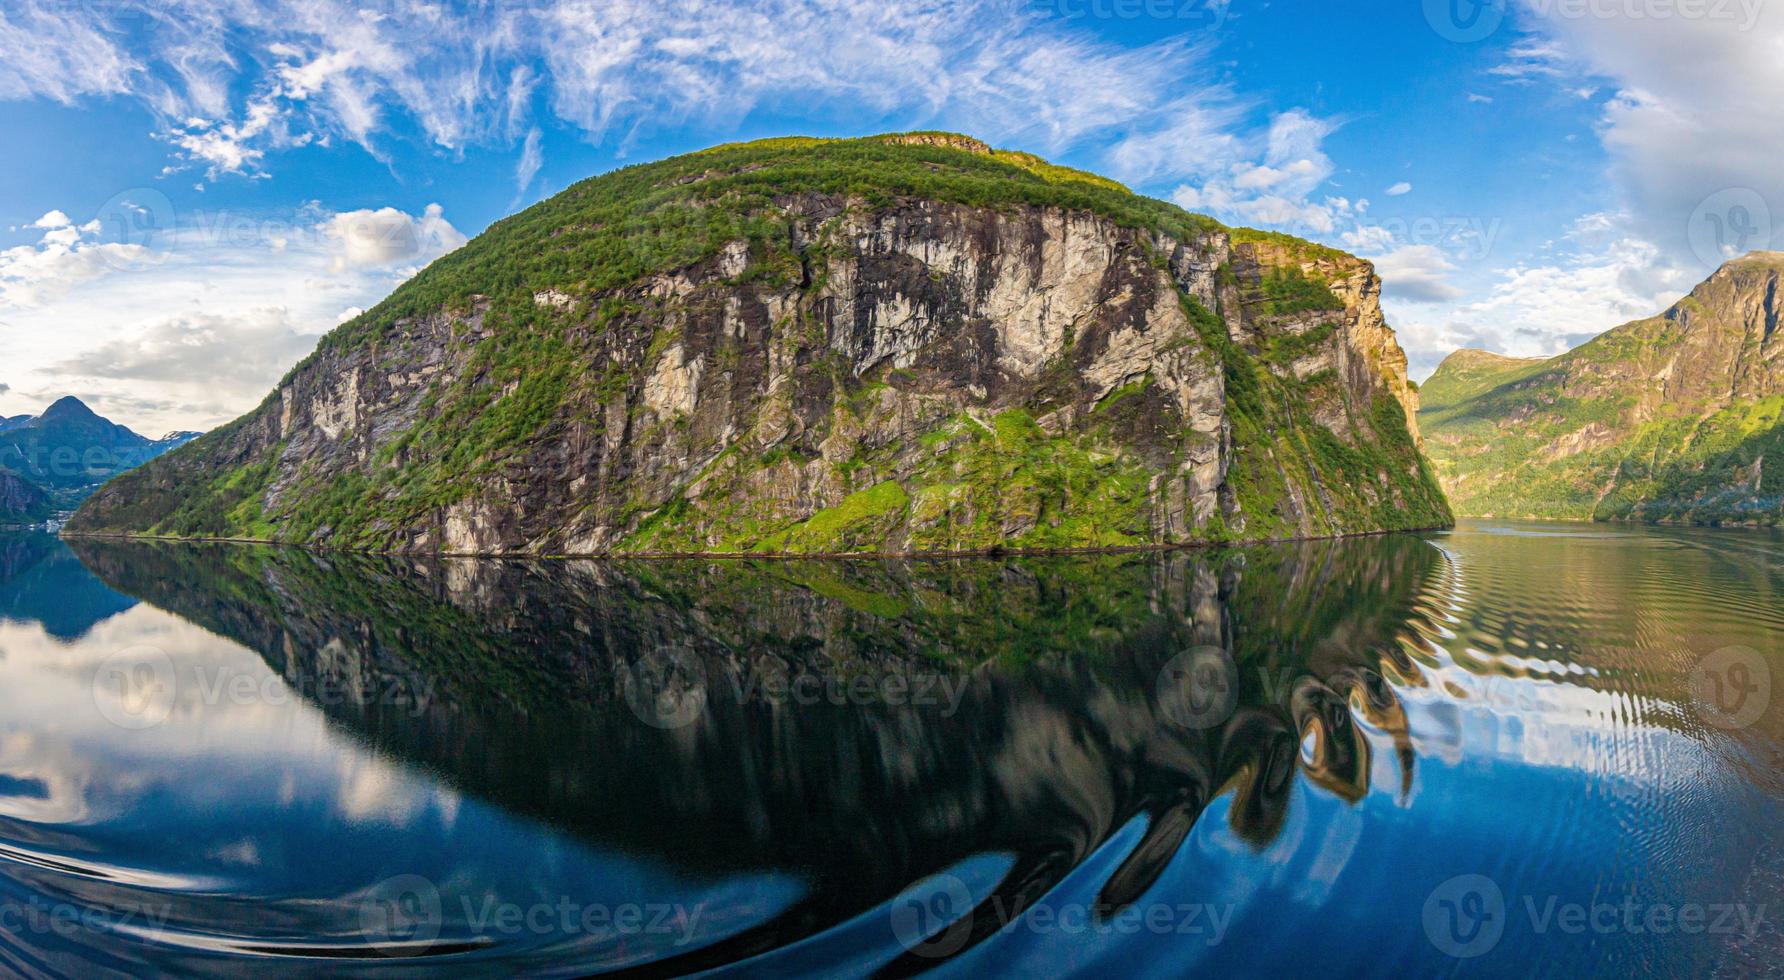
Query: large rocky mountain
pixel 1671 418
pixel 68 451
pixel 896 344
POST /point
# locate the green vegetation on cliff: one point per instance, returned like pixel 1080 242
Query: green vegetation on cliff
pixel 20 501
pixel 1380 480
pixel 1671 418
pixel 609 231
pixel 821 346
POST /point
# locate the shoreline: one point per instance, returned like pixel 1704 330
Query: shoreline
pixel 979 553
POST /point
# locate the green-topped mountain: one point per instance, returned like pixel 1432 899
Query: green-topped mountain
pixel 1672 418
pixel 907 343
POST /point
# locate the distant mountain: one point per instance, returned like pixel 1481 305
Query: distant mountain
pixel 21 502
pixel 68 451
pixel 1672 418
pixel 170 442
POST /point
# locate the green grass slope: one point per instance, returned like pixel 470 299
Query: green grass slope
pixel 1670 418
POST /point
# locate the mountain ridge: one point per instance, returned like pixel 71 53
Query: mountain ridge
pixel 1665 418
pixel 899 344
pixel 66 452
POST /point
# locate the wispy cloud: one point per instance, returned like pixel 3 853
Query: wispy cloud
pixel 234 82
pixel 47 53
pixel 532 157
pixel 195 325
pixel 1274 178
pixel 1691 118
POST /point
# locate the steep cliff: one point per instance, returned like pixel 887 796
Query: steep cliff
pixel 20 502
pixel 1671 418
pixel 896 344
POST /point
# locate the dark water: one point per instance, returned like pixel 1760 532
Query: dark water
pixel 1509 750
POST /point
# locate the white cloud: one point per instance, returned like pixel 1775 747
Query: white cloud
pixel 47 51
pixel 1604 278
pixel 1693 129
pixel 531 159
pixel 66 256
pixel 1272 179
pixel 1398 189
pixel 256 346
pixel 1369 240
pixel 386 236
pixel 1417 274
pixel 1196 136
pixel 1532 58
pixel 236 81
pixel 1694 115
pixel 195 331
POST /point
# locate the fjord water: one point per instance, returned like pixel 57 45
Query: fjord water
pixel 1511 749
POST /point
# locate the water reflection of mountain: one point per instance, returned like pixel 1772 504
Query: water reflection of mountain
pixel 1063 732
pixel 42 582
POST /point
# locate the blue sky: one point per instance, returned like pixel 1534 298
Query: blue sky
pixel 198 189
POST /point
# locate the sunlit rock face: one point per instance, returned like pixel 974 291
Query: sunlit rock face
pixel 1675 418
pixel 862 369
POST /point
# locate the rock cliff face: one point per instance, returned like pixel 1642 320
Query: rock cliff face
pixel 1672 418
pixel 884 345
pixel 20 502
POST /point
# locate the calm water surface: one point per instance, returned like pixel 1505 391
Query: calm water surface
pixel 1509 750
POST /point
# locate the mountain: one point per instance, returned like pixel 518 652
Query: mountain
pixel 20 501
pixel 171 441
pixel 1671 418
pixel 68 450
pixel 893 344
